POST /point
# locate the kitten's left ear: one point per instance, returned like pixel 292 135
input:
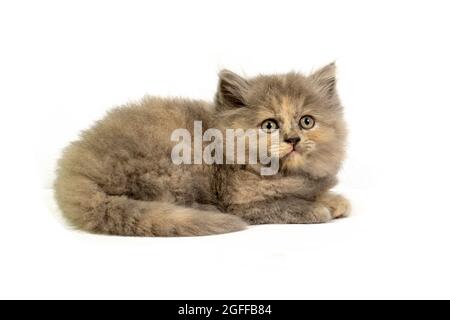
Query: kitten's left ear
pixel 325 79
pixel 232 89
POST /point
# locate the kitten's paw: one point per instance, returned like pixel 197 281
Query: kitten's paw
pixel 339 206
pixel 319 214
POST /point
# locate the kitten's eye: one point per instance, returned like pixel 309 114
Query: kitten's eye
pixel 269 125
pixel 307 122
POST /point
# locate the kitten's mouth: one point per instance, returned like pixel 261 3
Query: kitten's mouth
pixel 292 152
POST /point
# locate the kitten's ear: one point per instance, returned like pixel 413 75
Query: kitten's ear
pixel 325 79
pixel 232 89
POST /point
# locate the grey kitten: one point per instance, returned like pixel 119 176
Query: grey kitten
pixel 119 178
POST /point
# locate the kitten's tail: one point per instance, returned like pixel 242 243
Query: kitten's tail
pixel 87 207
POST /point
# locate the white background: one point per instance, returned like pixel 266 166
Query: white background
pixel 63 64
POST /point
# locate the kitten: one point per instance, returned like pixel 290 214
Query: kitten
pixel 119 178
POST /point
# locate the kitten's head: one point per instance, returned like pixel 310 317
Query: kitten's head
pixel 306 110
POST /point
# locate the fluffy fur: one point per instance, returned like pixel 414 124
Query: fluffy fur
pixel 118 178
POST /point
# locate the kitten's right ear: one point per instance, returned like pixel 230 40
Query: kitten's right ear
pixel 232 89
pixel 325 79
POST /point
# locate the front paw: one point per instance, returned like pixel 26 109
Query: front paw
pixel 321 214
pixel 339 206
pixel 317 213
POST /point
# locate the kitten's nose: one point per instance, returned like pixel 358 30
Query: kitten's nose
pixel 293 140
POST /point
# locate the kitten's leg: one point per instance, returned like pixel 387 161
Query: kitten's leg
pixel 290 210
pixel 339 206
